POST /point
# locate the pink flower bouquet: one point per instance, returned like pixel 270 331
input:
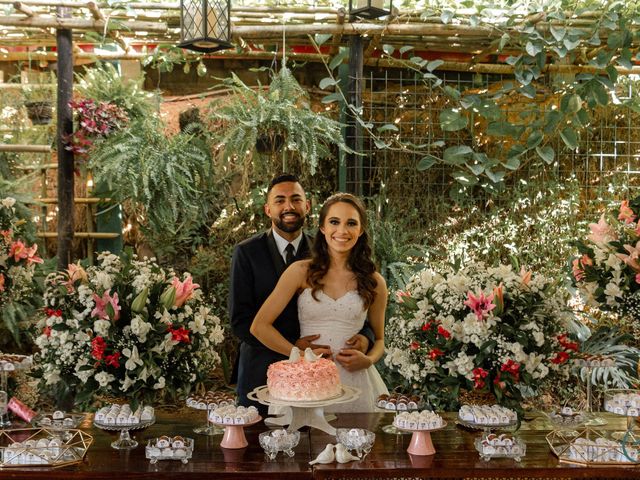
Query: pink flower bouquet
pixel 483 329
pixel 607 269
pixel 125 327
pixel 18 261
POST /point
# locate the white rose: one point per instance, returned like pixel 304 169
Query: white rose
pixel 84 375
pixel 52 377
pixel 104 378
pixel 101 327
pixel 159 384
pixel 8 202
pixel 140 328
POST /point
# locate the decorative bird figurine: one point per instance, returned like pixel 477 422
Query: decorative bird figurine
pixel 326 455
pixel 309 356
pixel 343 455
pixel 294 356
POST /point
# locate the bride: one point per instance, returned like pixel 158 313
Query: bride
pixel 339 288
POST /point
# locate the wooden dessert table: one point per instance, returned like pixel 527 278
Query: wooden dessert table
pixel 455 457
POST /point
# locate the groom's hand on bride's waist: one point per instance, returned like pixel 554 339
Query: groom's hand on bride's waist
pixel 307 342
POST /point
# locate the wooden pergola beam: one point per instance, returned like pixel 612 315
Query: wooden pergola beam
pixel 96 13
pixel 22 8
pixel 80 24
pixel 8 147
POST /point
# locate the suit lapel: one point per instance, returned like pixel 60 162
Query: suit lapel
pixel 304 249
pixel 278 261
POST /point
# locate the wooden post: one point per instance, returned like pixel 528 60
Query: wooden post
pixel 66 164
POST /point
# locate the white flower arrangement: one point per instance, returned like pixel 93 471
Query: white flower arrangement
pixel 478 328
pixel 607 272
pixel 125 327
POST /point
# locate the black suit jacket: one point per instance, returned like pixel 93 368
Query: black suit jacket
pixel 255 270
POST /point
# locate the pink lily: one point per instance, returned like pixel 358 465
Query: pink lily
pixel 637 278
pixel 525 276
pixel 184 290
pixel 400 296
pixel 31 255
pixel 100 310
pixel 2 280
pixel 498 293
pixel 632 258
pixel 602 232
pixel 480 305
pixel 75 272
pixel 18 250
pixel 626 214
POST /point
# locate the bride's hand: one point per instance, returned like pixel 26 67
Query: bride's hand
pixel 353 360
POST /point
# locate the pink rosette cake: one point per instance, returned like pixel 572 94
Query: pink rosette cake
pixel 307 378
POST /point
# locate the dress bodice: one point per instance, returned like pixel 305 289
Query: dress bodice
pixel 334 320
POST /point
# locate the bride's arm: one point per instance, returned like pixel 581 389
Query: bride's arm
pixel 262 328
pixel 376 319
pixel 354 360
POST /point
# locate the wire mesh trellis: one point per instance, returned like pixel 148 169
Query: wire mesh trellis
pixel 606 163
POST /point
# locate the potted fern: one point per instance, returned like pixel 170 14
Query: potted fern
pixel 267 120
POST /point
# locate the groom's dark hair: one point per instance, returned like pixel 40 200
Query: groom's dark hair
pixel 281 178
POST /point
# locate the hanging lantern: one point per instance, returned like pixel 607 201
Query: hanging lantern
pixel 370 8
pixel 205 25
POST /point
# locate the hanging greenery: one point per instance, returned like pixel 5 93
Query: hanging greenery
pixel 280 116
pixel 485 144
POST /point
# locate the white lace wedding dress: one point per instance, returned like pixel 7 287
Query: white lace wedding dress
pixel 336 321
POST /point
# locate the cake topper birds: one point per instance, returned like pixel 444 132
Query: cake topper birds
pixel 325 456
pixel 294 356
pixel 309 356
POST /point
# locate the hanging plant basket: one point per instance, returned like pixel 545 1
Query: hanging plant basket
pixel 269 142
pixel 40 113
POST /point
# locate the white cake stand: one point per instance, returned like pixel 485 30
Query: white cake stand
pixel 309 413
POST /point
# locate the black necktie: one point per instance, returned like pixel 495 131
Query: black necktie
pixel 290 253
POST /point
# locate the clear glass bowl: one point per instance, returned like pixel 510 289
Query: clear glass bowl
pixel 357 439
pixel 509 447
pixel 274 441
pixel 560 419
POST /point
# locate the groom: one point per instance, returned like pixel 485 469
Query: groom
pixel 256 266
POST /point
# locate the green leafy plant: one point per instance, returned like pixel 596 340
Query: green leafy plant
pixel 279 117
pixel 104 84
pixel 19 268
pixel 168 184
pixel 481 144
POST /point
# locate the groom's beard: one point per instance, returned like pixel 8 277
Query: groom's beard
pixel 289 227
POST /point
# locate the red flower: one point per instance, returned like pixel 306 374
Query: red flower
pixel 444 332
pixel 180 334
pixel 560 358
pixel 113 360
pixel 414 345
pixel 567 344
pixel 498 383
pixel 478 375
pixel 435 353
pixel 426 326
pixel 98 346
pixel 513 368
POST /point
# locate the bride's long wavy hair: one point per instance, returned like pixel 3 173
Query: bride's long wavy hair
pixel 359 261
